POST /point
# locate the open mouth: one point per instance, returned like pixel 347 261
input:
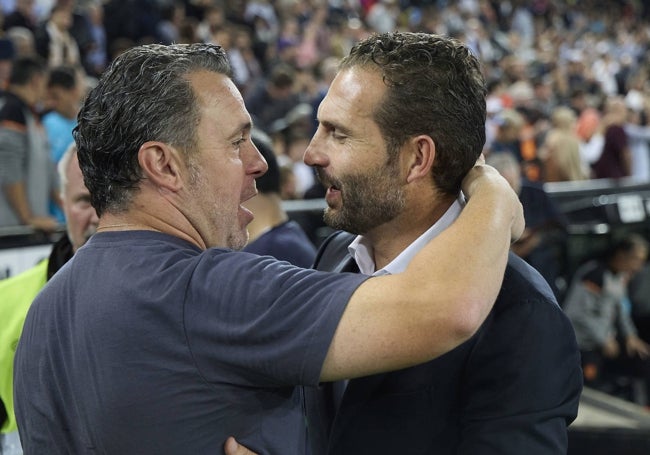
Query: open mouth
pixel 333 195
pixel 248 196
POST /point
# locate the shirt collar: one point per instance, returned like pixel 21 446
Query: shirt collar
pixel 361 250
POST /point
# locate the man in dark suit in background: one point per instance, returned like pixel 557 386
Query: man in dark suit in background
pixel 402 123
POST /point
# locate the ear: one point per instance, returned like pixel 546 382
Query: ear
pixel 421 158
pixel 161 164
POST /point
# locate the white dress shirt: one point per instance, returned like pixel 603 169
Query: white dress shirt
pixel 362 252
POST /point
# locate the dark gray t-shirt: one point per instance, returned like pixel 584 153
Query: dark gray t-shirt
pixel 144 344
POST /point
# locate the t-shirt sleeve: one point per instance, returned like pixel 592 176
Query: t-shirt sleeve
pixel 13 144
pixel 254 321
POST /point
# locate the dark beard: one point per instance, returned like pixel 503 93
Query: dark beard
pixel 368 201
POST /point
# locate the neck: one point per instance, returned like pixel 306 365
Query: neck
pixel 24 93
pixel 138 221
pixel 390 239
pixel 130 220
pixel 111 223
pixel 150 212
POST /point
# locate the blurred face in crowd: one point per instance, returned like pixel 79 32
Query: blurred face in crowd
pixel 25 6
pixel 222 171
pixel 37 92
pixel 62 18
pixel 81 218
pixel 67 101
pixel 348 151
pixel 630 262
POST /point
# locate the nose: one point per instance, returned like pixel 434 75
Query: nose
pixel 314 153
pixel 94 219
pixel 256 165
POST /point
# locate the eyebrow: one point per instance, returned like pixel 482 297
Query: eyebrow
pixel 336 126
pixel 246 126
pixel 82 197
pixel 242 128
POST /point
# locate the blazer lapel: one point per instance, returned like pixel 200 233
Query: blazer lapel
pixel 346 265
pixel 333 256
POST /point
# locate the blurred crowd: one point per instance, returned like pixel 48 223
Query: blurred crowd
pixel 568 91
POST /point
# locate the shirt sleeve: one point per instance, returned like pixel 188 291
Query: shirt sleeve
pixel 13 156
pixel 625 322
pixel 254 321
pixel 13 144
pixel 589 315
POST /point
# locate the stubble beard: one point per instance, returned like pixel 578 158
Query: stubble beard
pixel 237 237
pixel 367 201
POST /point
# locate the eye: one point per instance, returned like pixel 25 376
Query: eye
pixel 333 131
pixel 239 141
pixel 83 202
pixel 338 136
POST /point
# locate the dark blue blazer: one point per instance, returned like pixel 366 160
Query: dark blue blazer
pixel 512 389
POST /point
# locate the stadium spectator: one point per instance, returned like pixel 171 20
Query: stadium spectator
pixel 27 174
pixel 599 308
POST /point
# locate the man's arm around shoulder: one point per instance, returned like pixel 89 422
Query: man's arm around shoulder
pixel 392 322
